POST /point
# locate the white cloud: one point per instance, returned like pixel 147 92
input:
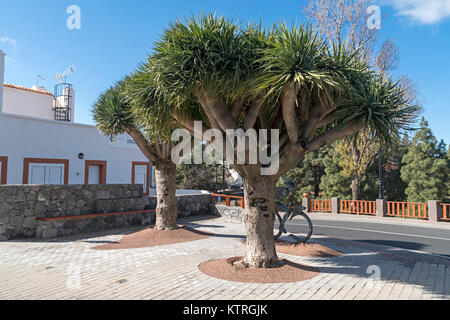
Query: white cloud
pixel 9 41
pixel 11 45
pixel 422 11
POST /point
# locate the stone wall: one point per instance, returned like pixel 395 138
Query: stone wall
pixel 20 205
pixel 230 213
pixel 194 205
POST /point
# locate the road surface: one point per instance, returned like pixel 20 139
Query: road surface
pixel 424 238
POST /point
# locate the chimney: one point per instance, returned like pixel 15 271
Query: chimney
pixel 2 77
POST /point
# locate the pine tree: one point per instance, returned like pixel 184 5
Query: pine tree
pixel 308 174
pixel 393 185
pixel 335 183
pixel 356 156
pixel 447 199
pixel 425 167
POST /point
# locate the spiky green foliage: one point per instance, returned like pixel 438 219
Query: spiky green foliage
pixel 112 113
pixel 292 55
pixel 207 50
pixel 149 105
pixel 229 61
pixel 381 104
pixel 425 167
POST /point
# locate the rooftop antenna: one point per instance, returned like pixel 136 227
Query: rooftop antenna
pixel 61 78
pixel 39 77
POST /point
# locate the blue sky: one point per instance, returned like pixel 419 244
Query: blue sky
pixel 116 35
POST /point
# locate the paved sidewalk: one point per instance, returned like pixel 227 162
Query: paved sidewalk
pixel 67 268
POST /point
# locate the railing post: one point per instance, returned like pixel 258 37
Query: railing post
pixel 380 207
pixel 227 201
pixel 434 211
pixel 306 204
pixel 335 205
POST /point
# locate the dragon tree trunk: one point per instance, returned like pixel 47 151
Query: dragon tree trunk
pixel 166 208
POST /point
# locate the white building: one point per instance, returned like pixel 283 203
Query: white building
pixel 37 149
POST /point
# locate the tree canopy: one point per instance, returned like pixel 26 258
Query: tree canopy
pixel 425 167
pixel 287 78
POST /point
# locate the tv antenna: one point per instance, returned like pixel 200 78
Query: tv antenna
pixel 61 78
pixel 39 77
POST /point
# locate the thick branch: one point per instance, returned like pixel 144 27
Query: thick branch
pixel 202 101
pixel 263 119
pixel 334 134
pixel 294 152
pixel 143 144
pixel 278 121
pixel 220 113
pixel 252 114
pixel 188 124
pixel 185 123
pixel 217 110
pixel 288 103
pixel 236 109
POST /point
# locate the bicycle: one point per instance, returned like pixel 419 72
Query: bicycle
pixel 291 213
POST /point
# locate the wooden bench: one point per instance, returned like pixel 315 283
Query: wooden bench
pixel 95 215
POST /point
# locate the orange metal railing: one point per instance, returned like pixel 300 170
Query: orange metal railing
pixel 404 210
pixel 445 211
pixel 240 200
pixel 417 210
pixel 320 206
pixel 358 207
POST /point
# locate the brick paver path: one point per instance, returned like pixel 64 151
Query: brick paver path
pixel 67 268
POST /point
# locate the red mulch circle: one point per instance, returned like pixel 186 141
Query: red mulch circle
pixel 288 272
pixel 305 249
pixel 150 237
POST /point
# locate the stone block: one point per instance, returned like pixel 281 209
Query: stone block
pixel 380 207
pixel 335 205
pixel 435 212
pixel 30 222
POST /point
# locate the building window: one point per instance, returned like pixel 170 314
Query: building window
pixel 140 174
pixel 95 172
pixel 45 171
pixel 3 169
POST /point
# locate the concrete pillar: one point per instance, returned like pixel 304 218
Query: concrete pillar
pixel 335 205
pixel 380 207
pixel 305 203
pixel 2 77
pixel 434 211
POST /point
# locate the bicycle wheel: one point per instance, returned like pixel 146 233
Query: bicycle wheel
pixel 280 222
pixel 299 227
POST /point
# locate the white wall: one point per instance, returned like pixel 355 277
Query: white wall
pixel 24 137
pixel 27 103
pixel 2 75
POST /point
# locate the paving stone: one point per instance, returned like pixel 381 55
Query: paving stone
pixel 68 268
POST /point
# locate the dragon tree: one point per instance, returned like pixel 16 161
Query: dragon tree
pixel 114 115
pixel 285 78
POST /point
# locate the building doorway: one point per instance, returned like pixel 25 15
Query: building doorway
pixel 3 169
pixel 140 174
pixel 95 172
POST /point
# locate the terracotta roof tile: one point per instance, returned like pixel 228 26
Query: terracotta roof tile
pixel 13 86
